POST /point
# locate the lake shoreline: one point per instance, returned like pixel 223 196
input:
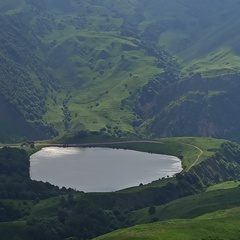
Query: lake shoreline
pixel 116 173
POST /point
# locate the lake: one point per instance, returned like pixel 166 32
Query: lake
pixel 100 169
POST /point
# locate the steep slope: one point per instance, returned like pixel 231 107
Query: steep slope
pixel 13 127
pixel 202 34
pixel 194 107
pixel 73 68
pixel 68 66
pixel 25 80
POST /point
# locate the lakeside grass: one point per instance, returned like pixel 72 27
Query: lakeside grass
pixel 182 147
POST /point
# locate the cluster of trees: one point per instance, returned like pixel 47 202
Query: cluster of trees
pixel 144 101
pixel 66 113
pixel 211 106
pixel 25 79
pixel 18 88
pixel 75 218
pixel 8 212
pixel 231 151
pixel 224 165
pixel 15 182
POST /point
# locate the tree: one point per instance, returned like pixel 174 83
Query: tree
pixel 152 210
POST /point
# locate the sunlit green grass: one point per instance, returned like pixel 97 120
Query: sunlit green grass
pixel 211 215
pixel 101 105
pixel 226 229
pixel 224 185
pixel 192 206
pixel 185 148
pixel 220 62
pixel 189 148
pixel 223 213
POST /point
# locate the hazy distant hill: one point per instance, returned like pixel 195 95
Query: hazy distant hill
pixel 162 68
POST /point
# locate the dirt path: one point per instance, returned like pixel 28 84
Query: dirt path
pixel 199 155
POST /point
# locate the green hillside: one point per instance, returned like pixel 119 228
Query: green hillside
pixel 202 34
pixel 213 214
pixel 181 230
pixel 125 68
pixel 76 69
pixel 193 206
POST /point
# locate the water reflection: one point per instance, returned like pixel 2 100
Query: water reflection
pixel 100 169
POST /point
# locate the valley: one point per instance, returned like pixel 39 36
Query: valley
pixel 156 76
pixel 124 69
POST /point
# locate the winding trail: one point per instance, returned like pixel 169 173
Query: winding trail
pixel 199 155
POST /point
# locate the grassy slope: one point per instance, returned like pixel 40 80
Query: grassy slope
pixel 181 230
pixel 110 80
pixel 185 146
pixel 206 41
pixel 190 150
pixel 213 214
pixel 192 206
pixel 201 34
pixel 74 49
pixel 224 185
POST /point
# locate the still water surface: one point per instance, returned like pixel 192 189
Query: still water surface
pixel 100 169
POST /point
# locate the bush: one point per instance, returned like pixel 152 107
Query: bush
pixel 152 210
